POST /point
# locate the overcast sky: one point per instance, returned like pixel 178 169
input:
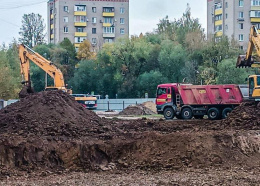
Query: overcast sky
pixel 144 14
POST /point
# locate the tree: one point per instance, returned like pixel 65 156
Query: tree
pixel 32 31
pixel 228 74
pixel 85 51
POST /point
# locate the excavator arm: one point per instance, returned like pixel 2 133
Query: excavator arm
pixel 254 42
pixel 26 55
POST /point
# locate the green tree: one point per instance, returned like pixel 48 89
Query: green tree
pixel 32 31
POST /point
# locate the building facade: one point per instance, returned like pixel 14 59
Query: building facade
pixel 233 18
pixel 98 21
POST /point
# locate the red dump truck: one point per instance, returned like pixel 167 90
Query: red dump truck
pixel 185 101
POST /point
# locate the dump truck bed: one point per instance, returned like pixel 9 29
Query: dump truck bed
pixel 210 94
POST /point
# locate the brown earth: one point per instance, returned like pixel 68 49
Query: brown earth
pixel 147 108
pixel 50 132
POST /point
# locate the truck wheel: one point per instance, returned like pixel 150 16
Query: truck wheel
pixel 186 113
pixel 168 113
pixel 213 113
pixel 225 112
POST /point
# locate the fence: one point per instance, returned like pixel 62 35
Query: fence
pixel 119 104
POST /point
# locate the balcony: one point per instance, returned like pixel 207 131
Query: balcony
pixel 52 16
pixel 52 36
pixel 219 22
pixel 109 35
pixel 80 24
pixel 80 13
pixel 52 26
pixel 255 19
pixel 77 45
pixel 108 14
pixel 80 34
pixel 107 24
pixel 219 34
pixel 255 7
pixel 218 11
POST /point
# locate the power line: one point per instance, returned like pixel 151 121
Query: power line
pixel 6 8
pixel 10 23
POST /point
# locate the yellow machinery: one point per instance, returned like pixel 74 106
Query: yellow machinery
pixel 251 61
pixel 26 55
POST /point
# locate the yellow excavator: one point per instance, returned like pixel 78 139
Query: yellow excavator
pixel 26 55
pixel 249 60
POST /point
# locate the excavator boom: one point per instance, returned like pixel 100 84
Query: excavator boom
pixel 254 42
pixel 26 55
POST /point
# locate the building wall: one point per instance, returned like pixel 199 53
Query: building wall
pixel 230 19
pixel 58 23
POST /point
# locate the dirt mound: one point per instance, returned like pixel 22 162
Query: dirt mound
pixel 245 116
pixel 151 105
pixel 51 113
pixel 50 131
pixel 139 109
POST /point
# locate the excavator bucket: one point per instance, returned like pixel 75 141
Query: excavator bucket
pixel 243 62
pixel 26 90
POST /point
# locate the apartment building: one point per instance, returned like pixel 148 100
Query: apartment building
pixel 233 18
pixel 98 21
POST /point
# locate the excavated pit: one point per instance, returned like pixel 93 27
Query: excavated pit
pixel 50 131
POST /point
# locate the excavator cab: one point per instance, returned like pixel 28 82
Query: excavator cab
pixel 254 87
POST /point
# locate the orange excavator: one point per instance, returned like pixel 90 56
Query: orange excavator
pixel 250 60
pixel 26 55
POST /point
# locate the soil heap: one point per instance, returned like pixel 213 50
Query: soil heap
pixel 50 113
pixel 245 116
pixel 147 108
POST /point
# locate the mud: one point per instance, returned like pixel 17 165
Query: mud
pixel 147 108
pixel 50 132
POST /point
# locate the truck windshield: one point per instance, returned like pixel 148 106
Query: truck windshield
pixel 161 91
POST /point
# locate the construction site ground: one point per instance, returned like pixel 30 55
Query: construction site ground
pixel 49 139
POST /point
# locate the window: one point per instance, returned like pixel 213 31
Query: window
pixel 240 37
pixel 108 40
pixel 218 28
pixel 122 20
pixel 65 19
pixel 226 27
pixel 122 31
pixel 241 3
pixel 94 9
pixel 218 6
pixel 218 17
pixel 241 15
pixel 226 16
pixel 108 9
pixel 79 29
pixel 94 40
pixel 109 30
pixel 241 47
pixel 226 4
pixel 241 26
pixel 66 29
pixel 255 2
pixel 122 10
pixel 161 91
pixel 94 20
pixel 66 8
pixel 80 18
pixel 79 39
pixel 94 30
pixel 257 25
pixel 254 13
pixel 108 20
pixel 80 8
